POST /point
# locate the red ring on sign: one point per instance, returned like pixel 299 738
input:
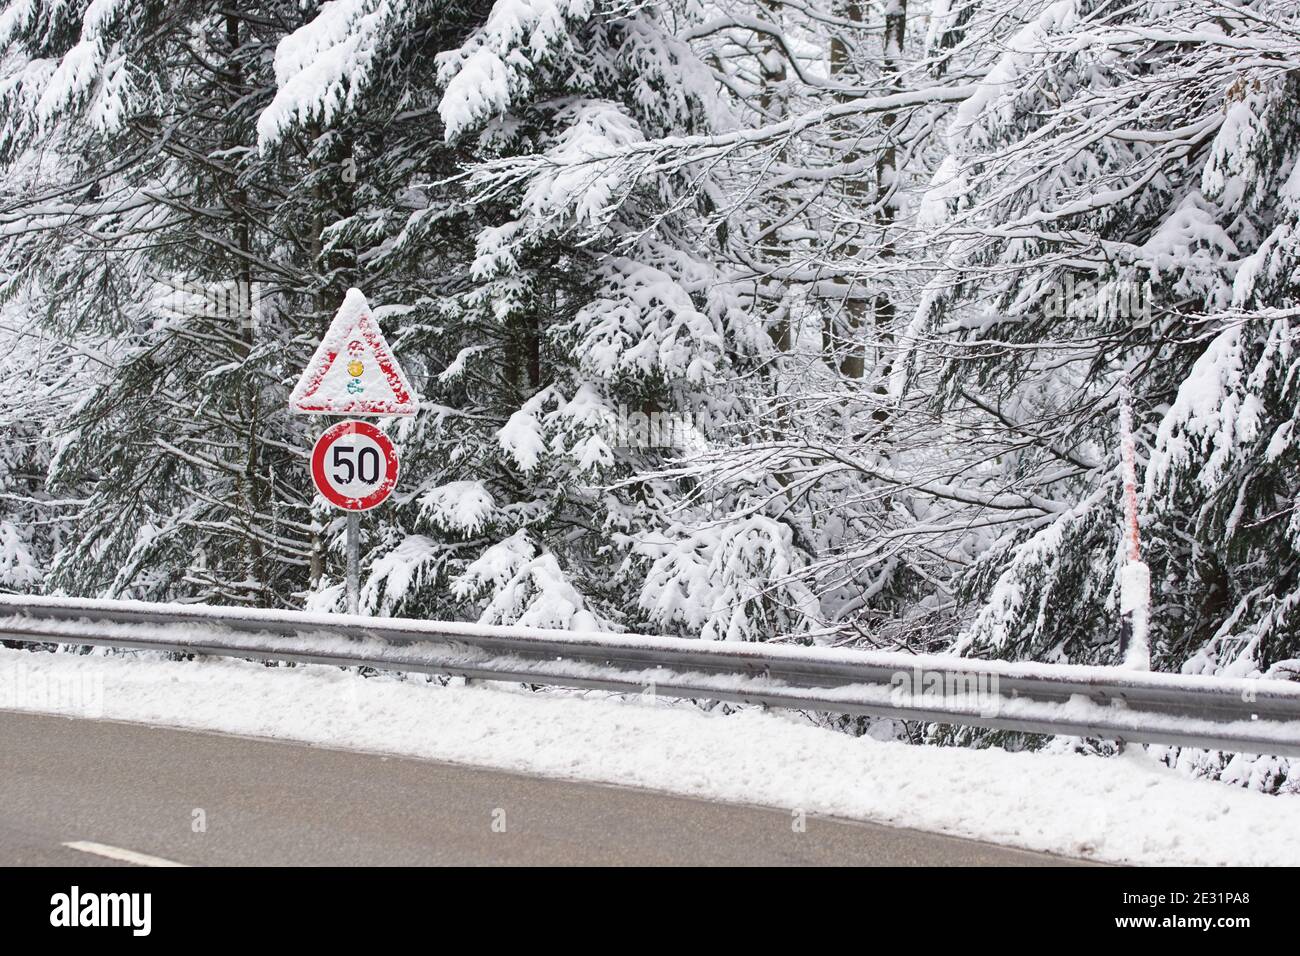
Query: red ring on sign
pixel 328 438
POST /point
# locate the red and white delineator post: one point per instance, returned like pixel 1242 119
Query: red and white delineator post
pixel 1134 575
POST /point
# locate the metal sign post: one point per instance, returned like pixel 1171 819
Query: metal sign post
pixel 354 562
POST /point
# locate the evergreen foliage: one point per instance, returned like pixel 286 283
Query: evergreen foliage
pixel 739 319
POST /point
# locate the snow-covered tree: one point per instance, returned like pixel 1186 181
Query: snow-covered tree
pixel 141 220
pixel 589 310
pixel 1143 237
pixel 30 519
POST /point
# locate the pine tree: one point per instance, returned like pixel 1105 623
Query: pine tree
pixel 588 315
pixel 29 516
pixel 144 223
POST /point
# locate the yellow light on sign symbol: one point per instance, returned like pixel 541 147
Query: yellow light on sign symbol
pixel 355 368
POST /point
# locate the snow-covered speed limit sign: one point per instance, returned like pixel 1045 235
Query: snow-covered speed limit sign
pixel 354 465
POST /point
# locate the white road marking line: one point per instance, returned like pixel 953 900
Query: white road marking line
pixel 117 853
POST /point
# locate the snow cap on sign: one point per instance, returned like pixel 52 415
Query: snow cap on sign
pixel 353 371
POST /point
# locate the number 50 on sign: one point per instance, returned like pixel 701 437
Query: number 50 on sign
pixel 354 465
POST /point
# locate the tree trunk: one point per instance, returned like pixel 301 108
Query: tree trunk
pixel 886 198
pixel 847 318
pixel 772 101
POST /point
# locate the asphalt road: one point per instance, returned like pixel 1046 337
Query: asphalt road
pixel 127 794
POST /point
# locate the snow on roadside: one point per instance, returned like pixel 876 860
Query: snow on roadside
pixel 1127 810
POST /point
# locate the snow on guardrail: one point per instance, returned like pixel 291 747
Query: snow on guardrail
pixel 1236 714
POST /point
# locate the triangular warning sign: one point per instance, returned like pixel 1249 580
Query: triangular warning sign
pixel 353 371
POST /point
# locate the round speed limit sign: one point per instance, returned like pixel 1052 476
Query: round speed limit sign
pixel 354 465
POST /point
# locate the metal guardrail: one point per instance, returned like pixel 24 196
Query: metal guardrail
pixel 1240 715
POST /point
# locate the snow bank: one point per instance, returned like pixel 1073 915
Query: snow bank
pixel 1128 810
